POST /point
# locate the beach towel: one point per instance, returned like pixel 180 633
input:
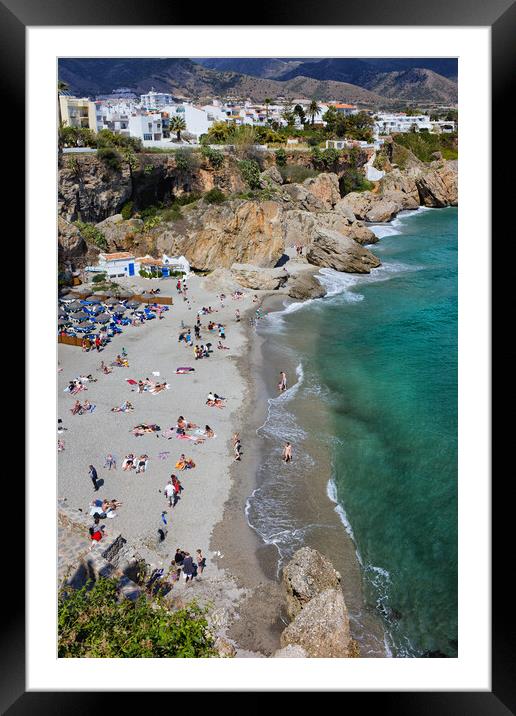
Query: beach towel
pixel 155 372
pixel 184 370
pixel 131 381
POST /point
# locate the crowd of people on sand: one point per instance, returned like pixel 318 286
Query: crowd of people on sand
pixel 101 509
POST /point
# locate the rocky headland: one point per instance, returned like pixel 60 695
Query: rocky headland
pixel 247 235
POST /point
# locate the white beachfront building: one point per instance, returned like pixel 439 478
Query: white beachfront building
pixel 124 263
pixel 116 265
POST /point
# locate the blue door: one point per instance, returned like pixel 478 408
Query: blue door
pixel 131 269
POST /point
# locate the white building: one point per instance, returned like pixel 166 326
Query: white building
pixel 147 127
pixel 118 264
pixel 196 118
pixel 155 100
pixel 388 123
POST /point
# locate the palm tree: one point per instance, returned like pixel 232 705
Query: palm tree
pixel 62 87
pixel 313 110
pixel 177 125
pixel 267 102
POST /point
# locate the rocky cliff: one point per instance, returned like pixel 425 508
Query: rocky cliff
pixel 315 604
pixel 253 231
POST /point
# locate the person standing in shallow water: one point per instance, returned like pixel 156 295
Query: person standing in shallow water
pixel 287 453
pixel 282 385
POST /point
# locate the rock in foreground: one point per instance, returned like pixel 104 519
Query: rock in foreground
pixel 304 285
pixel 334 250
pixel 256 278
pixel 307 574
pixel 322 627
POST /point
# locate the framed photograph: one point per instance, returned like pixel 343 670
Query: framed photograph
pixel 271 243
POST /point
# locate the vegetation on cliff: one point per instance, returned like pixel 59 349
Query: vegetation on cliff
pixel 93 623
pixel 424 145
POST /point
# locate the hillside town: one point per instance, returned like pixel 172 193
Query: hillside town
pixel 156 119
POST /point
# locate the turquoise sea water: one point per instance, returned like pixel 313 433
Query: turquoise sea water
pixel 384 362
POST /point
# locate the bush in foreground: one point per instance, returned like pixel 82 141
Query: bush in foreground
pixel 92 623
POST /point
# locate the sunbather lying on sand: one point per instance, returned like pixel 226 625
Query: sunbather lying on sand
pixel 141 463
pixel 145 428
pixel 128 462
pixel 215 400
pixel 185 463
pixel 124 408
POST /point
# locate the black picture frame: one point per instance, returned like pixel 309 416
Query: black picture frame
pixel 500 16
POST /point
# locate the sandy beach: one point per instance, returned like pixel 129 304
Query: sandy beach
pixel 89 438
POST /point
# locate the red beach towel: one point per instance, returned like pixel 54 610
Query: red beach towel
pixel 131 381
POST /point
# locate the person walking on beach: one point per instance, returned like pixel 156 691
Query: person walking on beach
pixel 94 477
pixel 169 492
pixel 282 385
pixel 177 487
pixel 287 453
pixel 188 568
pixel 201 561
pixel 96 531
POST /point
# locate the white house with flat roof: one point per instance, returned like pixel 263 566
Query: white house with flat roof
pixel 148 127
pixel 120 263
pixel 388 123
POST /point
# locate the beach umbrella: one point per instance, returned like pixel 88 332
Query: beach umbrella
pixel 75 306
pixel 63 322
pixel 119 308
pixel 103 318
pixel 133 304
pixel 81 315
pixel 111 302
pixel 123 293
pixel 93 299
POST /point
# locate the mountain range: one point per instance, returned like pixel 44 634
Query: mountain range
pixel 375 83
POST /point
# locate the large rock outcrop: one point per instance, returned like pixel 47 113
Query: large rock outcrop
pixel 220 235
pixel 304 285
pixel 256 278
pixel 333 250
pixel 418 185
pixel 322 627
pixel 300 227
pixel 307 574
pixel 324 187
pixel 438 187
pixel 71 243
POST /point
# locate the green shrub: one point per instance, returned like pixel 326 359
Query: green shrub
pixel 99 278
pixel 93 623
pixel 296 174
pixel 171 214
pixel 92 234
pixel 281 157
pixel 214 156
pixel 423 144
pixel 186 161
pixel 215 196
pixel 184 199
pixel 250 172
pixel 110 157
pixel 127 210
pixel 353 180
pixel 151 222
pixel 148 168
